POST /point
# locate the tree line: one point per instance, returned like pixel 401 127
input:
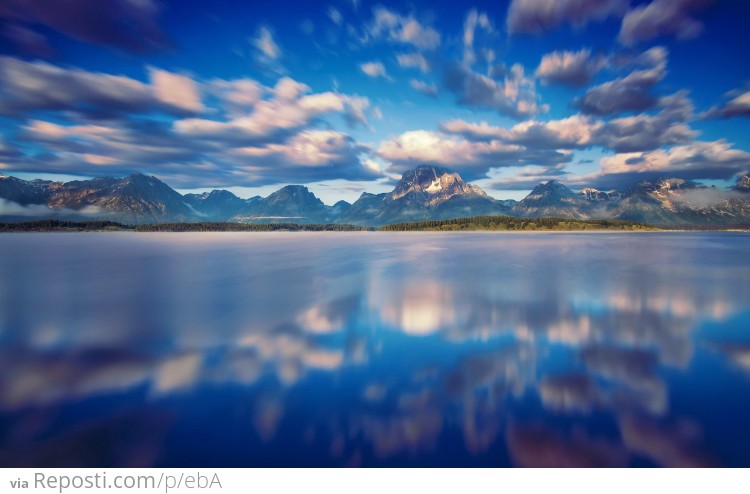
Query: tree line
pixel 58 225
pixel 508 223
pixel 226 226
pixel 513 223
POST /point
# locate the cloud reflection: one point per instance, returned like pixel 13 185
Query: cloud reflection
pixel 369 351
pixel 542 446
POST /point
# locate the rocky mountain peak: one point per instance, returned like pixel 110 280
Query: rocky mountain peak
pixel 215 196
pixel 138 180
pixel 294 189
pixel 294 192
pixel 669 184
pixel 551 199
pixel 743 184
pixel 553 188
pixel 137 177
pixel 591 194
pixel 294 198
pixel 221 194
pixel 434 183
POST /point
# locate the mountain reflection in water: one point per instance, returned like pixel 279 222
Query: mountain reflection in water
pixel 328 349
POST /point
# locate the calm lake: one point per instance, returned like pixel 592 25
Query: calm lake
pixel 374 349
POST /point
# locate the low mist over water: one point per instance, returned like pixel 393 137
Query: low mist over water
pixel 421 349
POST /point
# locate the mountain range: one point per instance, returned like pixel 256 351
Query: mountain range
pixel 425 193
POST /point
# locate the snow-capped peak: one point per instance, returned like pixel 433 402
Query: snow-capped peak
pixel 434 187
pixel 591 194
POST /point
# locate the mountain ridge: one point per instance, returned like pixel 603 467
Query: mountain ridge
pixel 422 194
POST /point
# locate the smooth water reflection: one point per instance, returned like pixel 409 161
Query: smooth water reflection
pixel 316 349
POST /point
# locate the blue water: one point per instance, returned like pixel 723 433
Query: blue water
pixel 374 349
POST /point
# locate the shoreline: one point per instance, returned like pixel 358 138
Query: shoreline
pixel 280 231
pixel 487 224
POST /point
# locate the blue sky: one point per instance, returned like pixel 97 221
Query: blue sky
pixel 343 96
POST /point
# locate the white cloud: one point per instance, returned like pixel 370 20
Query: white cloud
pixel 268 53
pixel 413 60
pixel 176 90
pixel 40 86
pixel 661 17
pixel 572 132
pixel 536 16
pixel 429 147
pixel 699 156
pixel 397 28
pixel 737 106
pixel 374 69
pixel 238 95
pixel 629 93
pixel 645 132
pixel 307 148
pixel 424 88
pixel 290 108
pixel 472 159
pixel 569 68
pixel 110 145
pixel 265 135
pixel 634 133
pixel 266 44
pixel 514 96
pixel 474 20
pixel 335 15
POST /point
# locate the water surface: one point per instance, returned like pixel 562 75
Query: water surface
pixel 374 349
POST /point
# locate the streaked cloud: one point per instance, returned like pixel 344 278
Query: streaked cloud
pixel 737 106
pixel 40 86
pixel 633 133
pixel 568 133
pixel 402 29
pixel 569 68
pixel 176 90
pixel 629 93
pixel 471 159
pixel 694 160
pixel 413 60
pixel 663 17
pixel 536 16
pixel 267 133
pixel 124 25
pixel 515 95
pixel 27 40
pixel 474 21
pixel 268 53
pixel 644 132
pixel 308 156
pixel 335 15
pixel 290 106
pixel 424 87
pixel 374 69
pixel 236 96
pixel 265 42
